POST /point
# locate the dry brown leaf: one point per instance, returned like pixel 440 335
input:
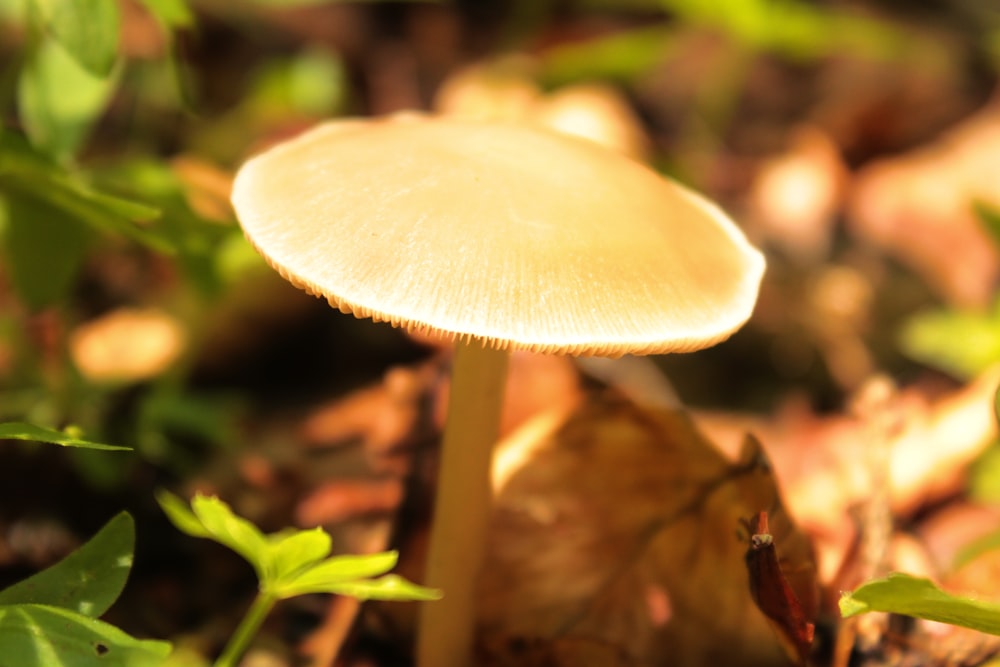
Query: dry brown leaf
pixel 615 534
pixel 918 206
pixel 821 461
pixel 383 415
pixel 773 594
pixel 338 501
pixel 621 529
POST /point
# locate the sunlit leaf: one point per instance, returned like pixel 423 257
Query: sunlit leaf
pixel 287 554
pixel 181 515
pixel 173 13
pixel 88 580
pixel 797 29
pixel 34 635
pixel 22 431
pixel 87 29
pixel 389 587
pixel 920 598
pixel 223 526
pixel 963 343
pixel 59 101
pixel 339 570
pixel 187 655
pixel 984 476
pixel 289 564
pixel 289 3
pixel 13 10
pixel 306 3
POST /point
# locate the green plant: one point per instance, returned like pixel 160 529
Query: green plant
pixel 914 596
pixel 917 597
pixel 51 619
pixel 287 563
pixel 71 437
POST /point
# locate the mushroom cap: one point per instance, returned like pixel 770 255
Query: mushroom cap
pixel 516 236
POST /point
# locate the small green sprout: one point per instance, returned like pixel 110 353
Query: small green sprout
pixel 287 563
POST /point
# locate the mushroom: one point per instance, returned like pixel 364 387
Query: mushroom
pixel 501 237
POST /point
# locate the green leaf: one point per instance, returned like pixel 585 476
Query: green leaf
pixel 13 11
pixel 389 587
pixel 172 13
pixel 195 239
pixel 312 82
pixel 211 518
pixel 22 431
pixel 289 554
pixel 233 531
pixel 914 596
pixel 989 218
pixel 180 515
pixel 797 29
pixel 288 564
pixel 623 55
pixel 26 172
pixel 33 635
pixel 59 101
pixel 44 248
pixel 188 654
pixel 171 82
pixel 88 580
pixel 337 571
pixel 984 476
pixel 289 3
pixel 87 29
pixel 963 343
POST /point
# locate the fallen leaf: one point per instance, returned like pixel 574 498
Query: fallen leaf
pixel 919 207
pixel 772 593
pixel 620 527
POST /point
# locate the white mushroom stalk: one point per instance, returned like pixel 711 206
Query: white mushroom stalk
pixel 462 504
pixel 502 237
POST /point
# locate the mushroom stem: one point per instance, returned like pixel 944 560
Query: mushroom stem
pixel 462 505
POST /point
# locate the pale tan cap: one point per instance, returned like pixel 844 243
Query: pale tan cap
pixel 516 236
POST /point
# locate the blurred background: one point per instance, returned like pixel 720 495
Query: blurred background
pixel 856 143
